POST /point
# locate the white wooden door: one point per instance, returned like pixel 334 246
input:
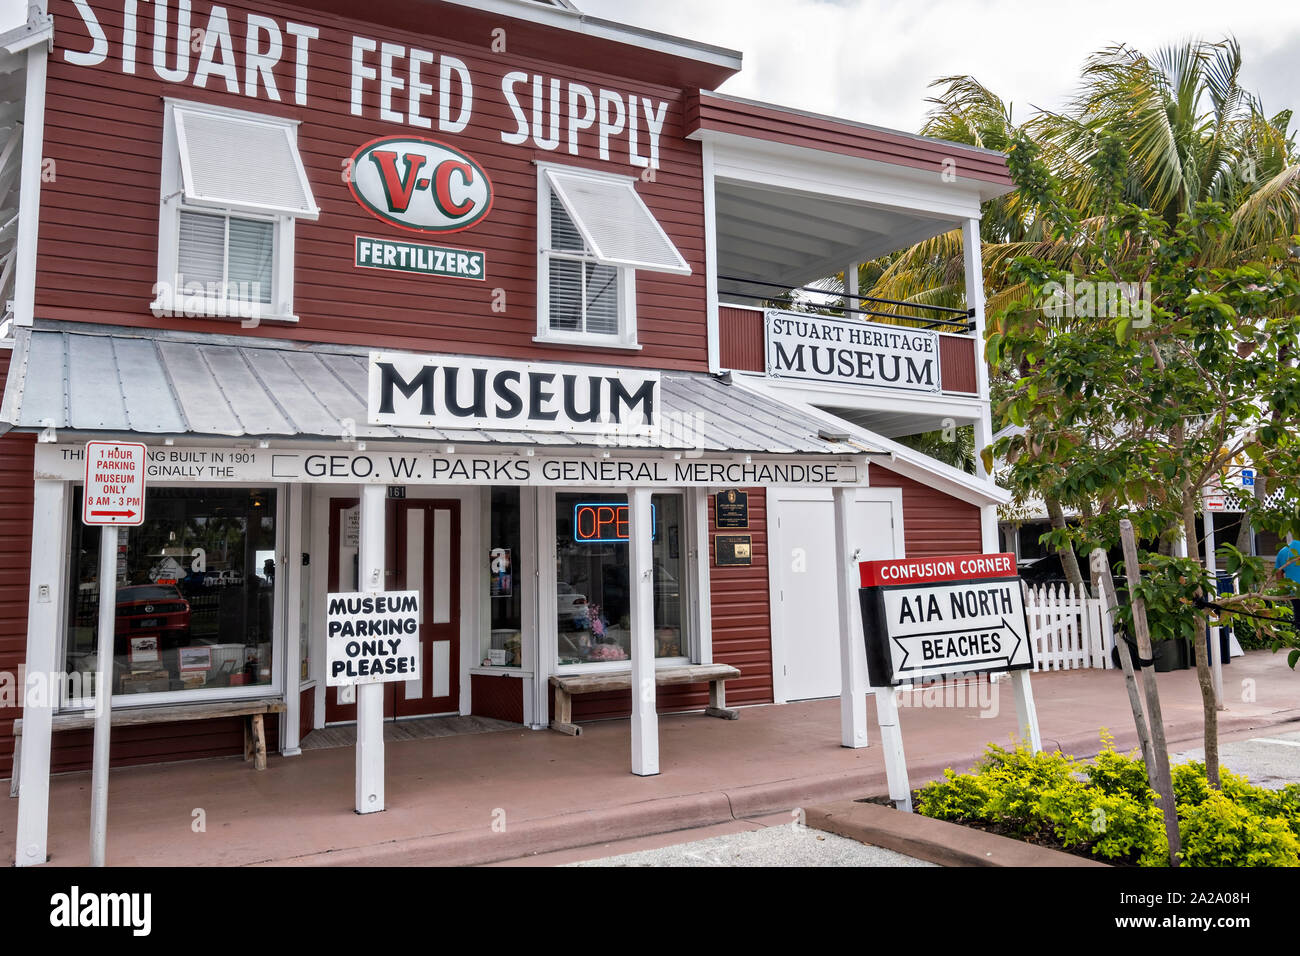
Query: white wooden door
pixel 805 642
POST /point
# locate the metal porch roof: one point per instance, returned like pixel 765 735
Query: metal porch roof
pixel 97 379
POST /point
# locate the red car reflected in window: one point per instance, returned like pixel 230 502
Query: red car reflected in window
pixel 152 609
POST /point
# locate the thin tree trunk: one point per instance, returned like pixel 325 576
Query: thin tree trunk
pixel 1157 771
pixel 1104 588
pixel 1069 560
pixel 1209 703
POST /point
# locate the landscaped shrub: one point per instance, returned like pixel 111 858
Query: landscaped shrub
pixel 1105 808
pixel 1218 831
pixel 1112 826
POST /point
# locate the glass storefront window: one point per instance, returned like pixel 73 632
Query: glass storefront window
pixel 195 593
pixel 593 580
pixel 502 645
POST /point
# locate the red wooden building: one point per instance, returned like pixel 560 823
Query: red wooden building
pixel 469 298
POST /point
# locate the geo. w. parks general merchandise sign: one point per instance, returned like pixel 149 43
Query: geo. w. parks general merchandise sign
pixel 435 465
pixel 930 617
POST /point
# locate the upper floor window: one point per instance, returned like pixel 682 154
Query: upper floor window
pixel 594 234
pixel 233 184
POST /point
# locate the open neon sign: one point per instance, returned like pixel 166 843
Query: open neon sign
pixel 598 522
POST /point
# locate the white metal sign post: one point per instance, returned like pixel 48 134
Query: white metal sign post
pixel 925 618
pixel 113 497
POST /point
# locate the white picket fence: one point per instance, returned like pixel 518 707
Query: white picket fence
pixel 1069 630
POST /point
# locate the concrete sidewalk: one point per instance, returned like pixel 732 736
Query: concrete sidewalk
pixel 510 794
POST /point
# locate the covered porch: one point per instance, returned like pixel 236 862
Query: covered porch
pixel 508 795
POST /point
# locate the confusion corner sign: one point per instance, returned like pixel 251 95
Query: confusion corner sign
pixel 930 617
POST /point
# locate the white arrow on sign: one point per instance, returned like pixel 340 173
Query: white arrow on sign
pixel 972 646
pixel 962 626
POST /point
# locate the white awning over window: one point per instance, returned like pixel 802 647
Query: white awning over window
pixel 242 163
pixel 615 223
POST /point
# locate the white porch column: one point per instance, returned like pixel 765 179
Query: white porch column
pixel 370 697
pixel 989 529
pixel 291 583
pixel 1216 662
pixel 853 685
pixel 44 605
pixel 645 721
pixel 974 270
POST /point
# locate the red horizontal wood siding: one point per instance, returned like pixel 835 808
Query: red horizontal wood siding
pixel 499 697
pixel 16 454
pixel 306 711
pixel 957 363
pixel 722 114
pixel 740 339
pixel 933 523
pixel 97 257
pixel 742 633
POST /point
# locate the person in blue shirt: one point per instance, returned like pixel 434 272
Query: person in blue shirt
pixel 1288 566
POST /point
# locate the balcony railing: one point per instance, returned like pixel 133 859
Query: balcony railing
pixel 941 318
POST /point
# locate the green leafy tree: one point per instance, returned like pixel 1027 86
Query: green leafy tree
pixel 1141 410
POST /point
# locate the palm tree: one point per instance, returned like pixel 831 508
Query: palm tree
pixel 1187 130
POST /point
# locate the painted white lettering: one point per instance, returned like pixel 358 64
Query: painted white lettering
pixel 447 67
pixel 303 35
pixel 259 62
pixel 178 73
pixel 216 39
pixel 612 119
pixel 360 72
pixel 578 92
pixel 98 52
pixel 539 125
pixel 128 36
pixel 654 125
pixel 389 83
pixel 508 82
pixel 417 89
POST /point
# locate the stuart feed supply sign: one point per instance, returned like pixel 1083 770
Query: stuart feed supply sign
pixel 930 617
pixel 372 637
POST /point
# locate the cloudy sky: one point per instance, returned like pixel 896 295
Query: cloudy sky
pixel 871 60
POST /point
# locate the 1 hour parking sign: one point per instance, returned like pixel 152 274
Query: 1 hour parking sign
pixel 929 617
pixel 114 493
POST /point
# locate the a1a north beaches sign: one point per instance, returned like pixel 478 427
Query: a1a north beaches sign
pixel 928 617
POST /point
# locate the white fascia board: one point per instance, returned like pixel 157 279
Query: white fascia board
pixel 866 398
pixel 752 162
pixel 841 121
pixel 903 460
pixel 574 21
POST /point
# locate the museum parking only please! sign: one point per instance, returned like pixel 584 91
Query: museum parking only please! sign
pixel 930 617
pixel 372 637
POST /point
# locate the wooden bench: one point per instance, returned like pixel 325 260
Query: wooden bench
pixel 254 727
pixel 567 687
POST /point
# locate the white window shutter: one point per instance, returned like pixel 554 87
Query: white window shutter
pixel 614 222
pixel 241 162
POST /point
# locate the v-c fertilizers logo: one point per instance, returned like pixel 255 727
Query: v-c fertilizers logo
pixel 420 185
